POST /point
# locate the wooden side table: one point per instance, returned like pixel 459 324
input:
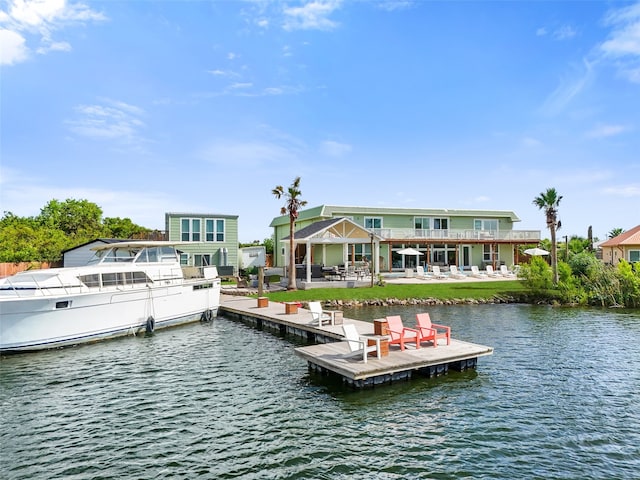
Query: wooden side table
pixel 380 326
pixel 380 341
pixel 290 307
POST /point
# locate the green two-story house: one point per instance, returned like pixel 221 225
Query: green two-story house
pixel 209 239
pixel 442 236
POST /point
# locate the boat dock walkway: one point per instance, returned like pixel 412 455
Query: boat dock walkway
pixel 328 352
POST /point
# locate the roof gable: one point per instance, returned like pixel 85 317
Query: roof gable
pixel 332 230
pixel 630 237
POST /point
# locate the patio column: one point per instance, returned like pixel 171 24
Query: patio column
pixel 345 253
pixel 308 261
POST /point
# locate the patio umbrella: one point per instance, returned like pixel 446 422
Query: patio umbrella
pixel 536 251
pixel 409 251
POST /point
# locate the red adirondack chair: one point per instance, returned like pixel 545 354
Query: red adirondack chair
pixel 400 334
pixel 426 328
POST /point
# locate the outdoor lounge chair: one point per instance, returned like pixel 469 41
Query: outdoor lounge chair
pixel 357 344
pixel 321 316
pixel 437 273
pixel 420 273
pixel 455 273
pixel 475 272
pixel 424 324
pixel 401 334
pixel 491 272
pixel 504 271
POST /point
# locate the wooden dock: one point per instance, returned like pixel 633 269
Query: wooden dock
pixel 327 355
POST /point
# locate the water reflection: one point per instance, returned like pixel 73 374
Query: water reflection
pixel 557 399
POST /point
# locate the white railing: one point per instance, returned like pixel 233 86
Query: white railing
pixel 29 286
pixel 417 234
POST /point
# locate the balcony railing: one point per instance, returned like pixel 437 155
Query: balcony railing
pixel 417 234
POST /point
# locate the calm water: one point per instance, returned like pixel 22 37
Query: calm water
pixel 560 398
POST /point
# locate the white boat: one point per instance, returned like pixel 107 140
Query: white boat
pixel 126 289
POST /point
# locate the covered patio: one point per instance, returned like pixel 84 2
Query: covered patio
pixel 329 244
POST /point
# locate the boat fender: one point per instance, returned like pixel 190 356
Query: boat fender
pixel 151 324
pixel 207 316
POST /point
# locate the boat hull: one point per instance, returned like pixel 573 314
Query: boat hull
pixel 44 322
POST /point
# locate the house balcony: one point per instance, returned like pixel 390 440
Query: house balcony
pixel 457 235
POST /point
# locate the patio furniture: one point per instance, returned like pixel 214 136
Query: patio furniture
pixel 420 273
pixel 475 272
pixel 504 271
pixel 321 316
pixel 455 273
pixel 424 323
pixel 437 273
pixel 358 345
pixel 401 334
pixel 491 272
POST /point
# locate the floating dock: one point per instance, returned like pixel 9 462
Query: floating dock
pixel 327 355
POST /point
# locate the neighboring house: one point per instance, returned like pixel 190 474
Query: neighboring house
pixel 80 255
pixel 210 239
pixel 253 257
pixel 443 236
pixel 625 246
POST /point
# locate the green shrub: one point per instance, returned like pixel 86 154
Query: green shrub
pixel 629 284
pixel 581 262
pixel 537 276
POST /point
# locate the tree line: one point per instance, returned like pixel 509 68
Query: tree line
pixel 61 225
pixel 581 279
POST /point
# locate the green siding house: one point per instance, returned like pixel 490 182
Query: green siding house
pixel 442 236
pixel 209 239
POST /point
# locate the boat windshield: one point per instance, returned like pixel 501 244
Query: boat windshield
pixel 116 254
pixel 164 254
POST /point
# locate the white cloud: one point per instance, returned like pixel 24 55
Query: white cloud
pixel 35 21
pixel 313 15
pixel 604 131
pixel 224 73
pixel 54 47
pixel 110 120
pixel 623 44
pixel 14 49
pixel 393 5
pixel 569 87
pixel 564 32
pixel 627 191
pixel 335 149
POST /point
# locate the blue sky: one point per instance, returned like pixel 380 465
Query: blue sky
pixel 145 107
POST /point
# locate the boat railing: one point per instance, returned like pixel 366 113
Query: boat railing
pixel 32 287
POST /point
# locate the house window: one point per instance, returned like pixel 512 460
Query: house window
pixel 214 230
pixel 484 224
pixel 201 260
pixel 190 229
pixel 487 253
pixel 372 222
pixel 634 255
pixel 421 223
pixel 361 250
pixel 440 223
pixel 184 259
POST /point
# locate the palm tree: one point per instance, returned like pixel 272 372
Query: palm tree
pixel 615 232
pixel 549 201
pixel 291 207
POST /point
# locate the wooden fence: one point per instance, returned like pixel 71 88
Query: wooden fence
pixel 8 269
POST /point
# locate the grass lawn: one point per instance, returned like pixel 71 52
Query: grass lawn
pixel 442 291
